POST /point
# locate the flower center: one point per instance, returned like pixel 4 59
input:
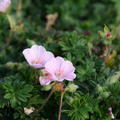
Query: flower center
pixel 47 75
pixel 36 61
pixel 59 74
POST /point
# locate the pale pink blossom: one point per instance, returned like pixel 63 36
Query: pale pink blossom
pixel 57 69
pixel 37 56
pixel 4 5
pixel 46 78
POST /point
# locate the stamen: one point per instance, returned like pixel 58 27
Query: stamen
pixel 59 73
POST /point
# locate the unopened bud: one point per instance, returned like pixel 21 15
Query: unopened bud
pixel 58 87
pixel 71 88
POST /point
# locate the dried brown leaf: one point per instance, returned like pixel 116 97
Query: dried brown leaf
pixel 51 19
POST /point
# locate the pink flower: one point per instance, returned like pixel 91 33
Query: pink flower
pixel 4 5
pixel 58 69
pixel 46 78
pixel 37 56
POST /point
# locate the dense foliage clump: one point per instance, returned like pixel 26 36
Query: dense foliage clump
pixel 85 32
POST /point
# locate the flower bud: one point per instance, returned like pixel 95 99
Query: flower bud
pixel 71 88
pixel 58 87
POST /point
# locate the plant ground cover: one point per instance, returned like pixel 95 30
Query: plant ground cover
pixel 85 32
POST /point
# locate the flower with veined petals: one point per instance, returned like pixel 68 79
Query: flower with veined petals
pixel 58 69
pixel 4 5
pixel 37 56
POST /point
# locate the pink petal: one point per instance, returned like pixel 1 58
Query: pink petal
pixel 37 51
pixel 53 66
pixel 61 79
pixel 46 57
pixel 29 58
pixel 60 69
pixel 60 59
pixel 68 70
pixel 37 56
pixel 36 65
pixel 70 77
pixel 4 4
pixel 44 81
pixel 27 55
pixel 67 67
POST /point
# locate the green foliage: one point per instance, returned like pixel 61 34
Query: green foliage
pixel 82 107
pixel 117 6
pixel 74 45
pixel 17 92
pixel 75 36
pixel 3 101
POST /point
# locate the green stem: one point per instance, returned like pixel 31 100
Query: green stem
pixel 11 20
pixel 60 107
pixel 52 91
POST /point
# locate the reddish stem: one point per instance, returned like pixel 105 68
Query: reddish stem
pixel 60 107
